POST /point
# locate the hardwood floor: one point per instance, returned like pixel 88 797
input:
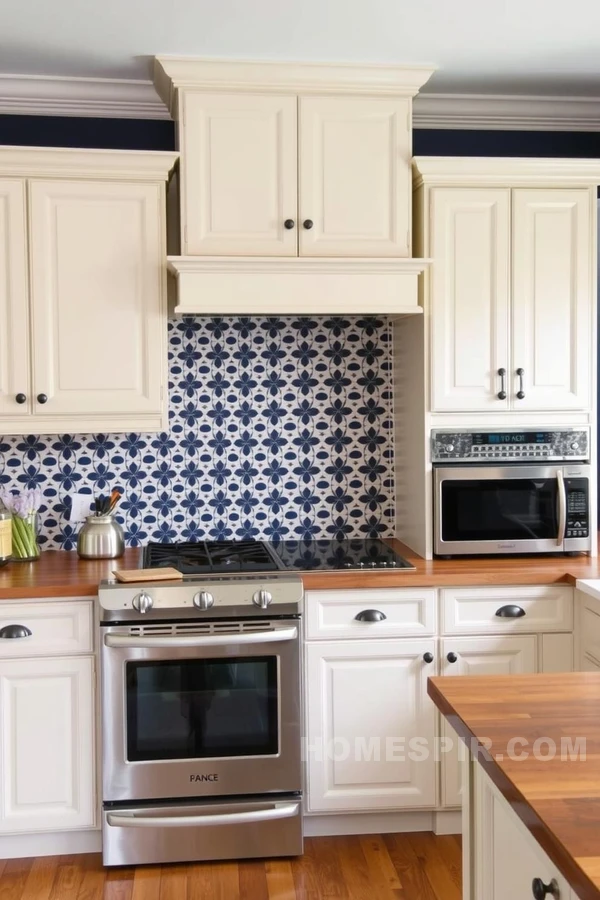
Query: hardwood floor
pixel 370 867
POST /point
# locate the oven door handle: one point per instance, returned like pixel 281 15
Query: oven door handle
pixel 562 508
pixel 278 811
pixel 164 642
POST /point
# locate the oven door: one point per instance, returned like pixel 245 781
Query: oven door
pixel 505 509
pixel 193 710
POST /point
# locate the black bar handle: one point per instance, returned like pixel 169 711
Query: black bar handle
pixel 510 612
pixel 521 391
pixel 502 391
pixel 370 615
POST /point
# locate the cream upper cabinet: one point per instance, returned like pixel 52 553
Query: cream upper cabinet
pixel 14 302
pixel 552 299
pixel 510 294
pixel 470 243
pixel 96 298
pixel 354 176
pixel 293 160
pixel 239 174
pixel 83 338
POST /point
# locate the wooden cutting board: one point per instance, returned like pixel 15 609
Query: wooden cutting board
pixel 130 575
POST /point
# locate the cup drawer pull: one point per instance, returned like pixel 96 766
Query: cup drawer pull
pixel 15 631
pixel 510 611
pixel 370 615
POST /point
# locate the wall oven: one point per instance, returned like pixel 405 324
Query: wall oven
pixel 510 491
pixel 201 721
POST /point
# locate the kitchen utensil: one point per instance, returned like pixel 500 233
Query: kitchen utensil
pixel 101 537
pixel 132 575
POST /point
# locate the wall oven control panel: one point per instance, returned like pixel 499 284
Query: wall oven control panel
pixel 510 445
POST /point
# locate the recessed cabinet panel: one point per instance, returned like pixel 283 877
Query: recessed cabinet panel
pixel 552 301
pixel 14 301
pixel 367 700
pixel 47 772
pixel 96 289
pixel 239 181
pixel 354 175
pixel 470 298
pixel 478 656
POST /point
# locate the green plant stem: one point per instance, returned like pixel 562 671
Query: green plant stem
pixel 18 548
pixel 26 541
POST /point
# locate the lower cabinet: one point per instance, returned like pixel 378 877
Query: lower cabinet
pixel 505 858
pixel 370 725
pixel 499 655
pixel 47 721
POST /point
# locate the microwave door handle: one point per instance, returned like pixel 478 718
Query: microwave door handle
pixel 278 811
pixel 562 508
pixel 165 642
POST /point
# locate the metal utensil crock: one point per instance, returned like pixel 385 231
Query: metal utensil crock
pixel 101 537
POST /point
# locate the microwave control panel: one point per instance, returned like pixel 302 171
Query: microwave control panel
pixel 510 445
pixel 577 507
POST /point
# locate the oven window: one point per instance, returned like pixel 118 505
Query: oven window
pixel 505 510
pixel 202 708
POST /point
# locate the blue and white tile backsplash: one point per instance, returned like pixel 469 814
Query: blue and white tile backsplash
pixel 278 428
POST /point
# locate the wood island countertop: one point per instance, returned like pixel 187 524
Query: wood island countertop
pixel 60 573
pixel 557 799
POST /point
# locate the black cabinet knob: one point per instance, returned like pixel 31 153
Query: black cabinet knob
pixel 452 657
pixel 20 398
pixel 428 657
pixel 308 224
pixel 541 890
pixel 289 224
pixel 42 398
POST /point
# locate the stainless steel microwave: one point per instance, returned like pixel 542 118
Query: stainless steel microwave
pixel 507 493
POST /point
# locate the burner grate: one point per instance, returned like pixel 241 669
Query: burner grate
pixel 219 557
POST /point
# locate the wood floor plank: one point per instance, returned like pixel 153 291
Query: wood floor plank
pixel 425 846
pixel 146 883
pixel 92 883
pixel 14 878
pixel 328 869
pixel 355 870
pixel 173 882
pixel 225 881
pixel 119 884
pixel 253 880
pixel 383 872
pixel 41 878
pixel 280 880
pixel 415 885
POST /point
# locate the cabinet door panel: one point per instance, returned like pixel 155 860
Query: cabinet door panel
pixel 552 301
pixel 15 361
pixel 47 774
pixel 355 176
pixel 239 174
pixel 505 655
pixel 97 297
pixel 470 297
pixel 366 701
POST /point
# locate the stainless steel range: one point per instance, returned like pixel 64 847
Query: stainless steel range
pixel 201 699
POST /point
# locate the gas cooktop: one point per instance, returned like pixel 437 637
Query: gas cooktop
pixel 223 557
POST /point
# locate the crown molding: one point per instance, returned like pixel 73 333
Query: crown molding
pixel 60 162
pixel 120 98
pixel 506 112
pixel 447 171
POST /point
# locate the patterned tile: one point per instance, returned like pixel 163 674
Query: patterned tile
pixel 278 427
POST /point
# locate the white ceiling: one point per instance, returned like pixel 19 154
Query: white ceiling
pixel 479 46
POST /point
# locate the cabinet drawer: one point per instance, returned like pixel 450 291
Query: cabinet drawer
pixel 57 629
pixel 475 610
pixel 333 614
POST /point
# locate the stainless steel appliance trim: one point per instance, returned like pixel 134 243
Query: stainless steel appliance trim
pixel 278 811
pixel 562 508
pixel 212 640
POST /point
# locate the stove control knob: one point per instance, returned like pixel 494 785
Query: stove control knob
pixel 575 445
pixel 262 598
pixel 143 602
pixel 204 600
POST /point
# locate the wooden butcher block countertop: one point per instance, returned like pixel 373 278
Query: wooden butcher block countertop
pixel 558 799
pixel 60 573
